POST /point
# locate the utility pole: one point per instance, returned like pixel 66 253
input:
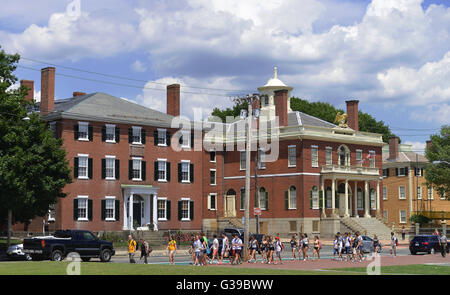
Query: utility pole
pixel 256 187
pixel 248 152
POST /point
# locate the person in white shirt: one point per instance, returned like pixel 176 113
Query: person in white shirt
pixel 394 243
pixel 225 248
pixel 278 248
pixel 198 245
pixel 236 245
pixel 215 250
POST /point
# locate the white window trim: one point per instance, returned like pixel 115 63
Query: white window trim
pixel 111 126
pixel 215 177
pixel 240 161
pixel 209 201
pixel 165 207
pixel 240 194
pixel 419 193
pixel 189 171
pixel 430 196
pixel 189 209
pixel 114 167
pixel 215 157
pixel 404 170
pixel 360 158
pixel 165 170
pixel 315 204
pixel 385 196
pixel 165 137
pixel 372 159
pixel 289 164
pixel 140 174
pixel 114 208
pixel 87 166
pixel 84 124
pixel 87 208
pixel 140 134
pixel 187 139
pixel 315 165
pixel 399 192
pixel 289 199
pixel 400 217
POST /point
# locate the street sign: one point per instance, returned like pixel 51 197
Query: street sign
pixel 257 211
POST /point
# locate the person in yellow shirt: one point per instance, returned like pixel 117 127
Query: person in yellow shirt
pixel 172 247
pixel 131 248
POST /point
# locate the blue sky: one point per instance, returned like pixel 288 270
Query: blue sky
pixel 392 55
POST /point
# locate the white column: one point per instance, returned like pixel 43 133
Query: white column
pixel 333 197
pixel 366 201
pixel 378 199
pixel 410 193
pixel 355 194
pixel 346 199
pixel 322 187
pixel 125 220
pixel 149 199
pixel 130 212
pixel 155 212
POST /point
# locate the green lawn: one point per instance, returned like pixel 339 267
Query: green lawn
pixel 417 269
pixel 98 268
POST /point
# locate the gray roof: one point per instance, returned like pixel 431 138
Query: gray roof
pixel 405 157
pixel 103 107
pixel 298 118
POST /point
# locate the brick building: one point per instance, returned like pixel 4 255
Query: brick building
pixel 405 191
pixel 123 153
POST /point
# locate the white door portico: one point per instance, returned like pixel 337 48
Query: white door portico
pixel 142 200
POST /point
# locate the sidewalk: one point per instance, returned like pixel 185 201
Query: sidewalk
pixel 124 252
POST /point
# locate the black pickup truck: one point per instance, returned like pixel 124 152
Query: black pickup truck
pixel 56 247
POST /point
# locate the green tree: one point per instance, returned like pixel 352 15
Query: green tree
pixel 438 174
pixel 33 165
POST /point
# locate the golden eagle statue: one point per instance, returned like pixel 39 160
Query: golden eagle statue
pixel 341 119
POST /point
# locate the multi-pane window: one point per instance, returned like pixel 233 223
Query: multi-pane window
pixel 185 210
pixel 109 209
pixel 110 167
pixel 385 215
pixel 385 172
pixel 186 139
pixel 402 216
pixel 261 159
pixel 328 198
pixel 315 198
pixel 430 193
pixel 137 169
pixel 110 133
pixel 136 135
pixel 82 208
pixel 373 200
pixel 372 159
pixel 360 200
pixel 212 156
pixel 243 199
pixel 212 201
pixel 418 171
pixel 162 137
pixel 329 159
pixel 401 171
pixel 242 160
pixel 83 131
pixel 263 199
pixel 82 166
pixel 53 128
pixel 162 170
pixel 385 197
pixel 292 198
pixel 162 210
pixel 212 176
pixel 401 192
pixel 359 157
pixel 314 156
pixel 292 159
pixel 51 212
pixel 185 171
pixel 419 193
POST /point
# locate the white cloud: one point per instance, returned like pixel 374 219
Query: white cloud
pixel 439 113
pixel 138 66
pixel 417 146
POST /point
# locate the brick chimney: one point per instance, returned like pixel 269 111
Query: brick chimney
pixel 78 93
pixel 30 85
pixel 281 106
pixel 428 144
pixel 393 148
pixel 47 90
pixel 173 100
pixel 352 114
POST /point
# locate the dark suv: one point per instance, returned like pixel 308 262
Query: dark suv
pixel 425 243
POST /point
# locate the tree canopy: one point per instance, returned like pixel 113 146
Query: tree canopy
pixel 33 165
pixel 321 110
pixel 438 173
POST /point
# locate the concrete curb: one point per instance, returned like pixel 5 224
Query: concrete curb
pixel 154 253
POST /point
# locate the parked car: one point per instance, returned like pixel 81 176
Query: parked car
pixel 15 252
pixel 425 243
pixel 57 247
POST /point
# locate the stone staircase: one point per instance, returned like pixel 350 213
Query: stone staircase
pixel 154 238
pixel 233 222
pixel 368 226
